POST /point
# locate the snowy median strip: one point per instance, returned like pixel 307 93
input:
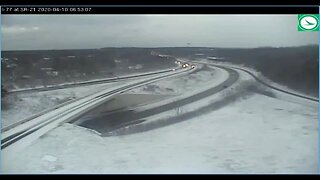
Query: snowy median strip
pixel 160 119
pixel 220 76
pixel 66 113
pixel 197 105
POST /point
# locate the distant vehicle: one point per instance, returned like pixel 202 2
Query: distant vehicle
pixel 25 77
pixel 185 65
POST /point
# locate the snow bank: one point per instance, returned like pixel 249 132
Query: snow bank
pixel 187 85
pixel 279 94
pixel 256 135
pixel 16 107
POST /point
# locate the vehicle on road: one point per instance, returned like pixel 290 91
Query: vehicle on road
pixel 185 65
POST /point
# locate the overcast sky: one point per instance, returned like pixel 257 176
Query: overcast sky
pixel 29 32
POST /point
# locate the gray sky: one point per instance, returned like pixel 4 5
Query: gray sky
pixel 28 32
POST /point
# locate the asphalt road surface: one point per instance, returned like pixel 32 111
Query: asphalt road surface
pixel 106 122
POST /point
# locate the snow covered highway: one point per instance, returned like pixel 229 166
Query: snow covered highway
pixel 159 93
pixel 217 119
pixel 51 119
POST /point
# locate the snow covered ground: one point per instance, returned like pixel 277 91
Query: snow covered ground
pixel 16 107
pixel 257 74
pixel 238 90
pixel 254 133
pixel 94 81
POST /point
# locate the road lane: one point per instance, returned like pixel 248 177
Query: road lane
pixel 86 83
pixel 104 122
pixel 264 83
pixel 44 122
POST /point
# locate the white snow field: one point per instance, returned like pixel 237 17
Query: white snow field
pixel 17 107
pixel 253 134
pixel 256 135
pixel 257 74
pixel 21 106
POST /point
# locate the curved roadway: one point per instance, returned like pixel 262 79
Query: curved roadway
pixel 266 84
pixel 105 122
